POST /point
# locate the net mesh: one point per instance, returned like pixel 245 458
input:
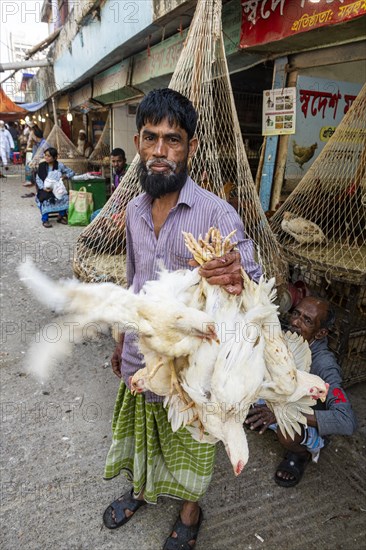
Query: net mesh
pixel 101 154
pixel 323 221
pixel 220 164
pixel 67 152
pixel 322 230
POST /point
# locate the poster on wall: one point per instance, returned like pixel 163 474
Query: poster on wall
pixel 320 105
pixel 279 111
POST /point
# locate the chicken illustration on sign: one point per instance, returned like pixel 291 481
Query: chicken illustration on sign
pixel 303 154
pixel 209 377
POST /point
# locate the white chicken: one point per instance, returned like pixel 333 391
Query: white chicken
pixel 223 382
pixel 208 382
pixel 165 326
pixel 288 388
pixel 302 230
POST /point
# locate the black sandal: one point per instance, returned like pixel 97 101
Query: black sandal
pixel 62 219
pixel 125 502
pixel 185 534
pixel 47 224
pixel 293 464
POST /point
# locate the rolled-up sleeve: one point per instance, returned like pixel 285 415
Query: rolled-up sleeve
pixel 339 418
pixel 336 416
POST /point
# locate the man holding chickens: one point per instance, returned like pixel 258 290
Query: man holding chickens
pixel 311 318
pixel 157 460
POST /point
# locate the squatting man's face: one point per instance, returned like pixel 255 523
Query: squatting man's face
pixel 307 317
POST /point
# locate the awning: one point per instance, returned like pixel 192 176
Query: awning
pixel 113 85
pixel 32 107
pixel 8 109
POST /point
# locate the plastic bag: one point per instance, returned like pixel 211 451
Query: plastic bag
pixel 59 189
pixel 81 207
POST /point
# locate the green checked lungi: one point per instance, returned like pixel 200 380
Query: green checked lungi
pixel 154 458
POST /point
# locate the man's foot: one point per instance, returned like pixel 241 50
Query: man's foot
pixel 290 471
pixel 47 224
pixel 184 536
pixel 28 184
pixel 121 510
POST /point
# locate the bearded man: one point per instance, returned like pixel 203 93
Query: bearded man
pixel 157 461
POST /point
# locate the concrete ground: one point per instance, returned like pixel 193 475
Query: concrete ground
pixel 55 438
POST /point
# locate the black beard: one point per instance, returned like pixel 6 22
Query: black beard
pixel 158 185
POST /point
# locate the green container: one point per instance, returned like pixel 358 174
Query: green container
pixel 95 186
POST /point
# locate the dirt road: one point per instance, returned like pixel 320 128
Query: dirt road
pixel 55 438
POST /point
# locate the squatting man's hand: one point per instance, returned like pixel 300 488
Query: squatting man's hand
pixel 260 416
pixel 224 271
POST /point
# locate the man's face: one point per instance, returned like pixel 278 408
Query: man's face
pixel 164 152
pixel 307 317
pixel 118 164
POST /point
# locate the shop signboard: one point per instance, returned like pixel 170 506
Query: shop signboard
pixel 266 21
pixel 279 111
pixel 320 106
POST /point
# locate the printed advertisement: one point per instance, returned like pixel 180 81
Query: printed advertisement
pixel 279 111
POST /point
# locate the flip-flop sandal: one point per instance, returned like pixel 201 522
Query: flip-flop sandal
pixel 125 502
pixel 293 464
pixel 62 220
pixel 28 195
pixel 185 534
pixel 47 224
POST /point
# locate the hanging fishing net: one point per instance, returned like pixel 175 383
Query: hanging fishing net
pixel 220 163
pixel 101 154
pixel 322 230
pixel 323 221
pixel 67 152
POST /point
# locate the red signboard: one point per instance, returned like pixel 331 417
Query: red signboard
pixel 265 21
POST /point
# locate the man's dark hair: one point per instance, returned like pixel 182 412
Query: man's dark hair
pixel 167 103
pixel 52 151
pixel 118 152
pixel 38 132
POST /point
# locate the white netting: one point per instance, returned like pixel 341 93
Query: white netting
pixel 322 230
pixel 67 152
pixel 101 154
pixel 220 163
pixel 323 222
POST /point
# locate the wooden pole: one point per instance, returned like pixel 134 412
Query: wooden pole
pixel 281 156
pixel 56 124
pixel 258 175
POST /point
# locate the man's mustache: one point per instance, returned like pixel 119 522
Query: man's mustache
pixel 168 163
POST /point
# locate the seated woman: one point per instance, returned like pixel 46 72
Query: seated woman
pixel 51 169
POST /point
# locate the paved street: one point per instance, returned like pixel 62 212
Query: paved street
pixel 55 438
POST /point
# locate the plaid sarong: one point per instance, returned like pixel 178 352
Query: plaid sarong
pixel 154 458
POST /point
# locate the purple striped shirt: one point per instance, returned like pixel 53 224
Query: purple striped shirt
pixel 195 212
